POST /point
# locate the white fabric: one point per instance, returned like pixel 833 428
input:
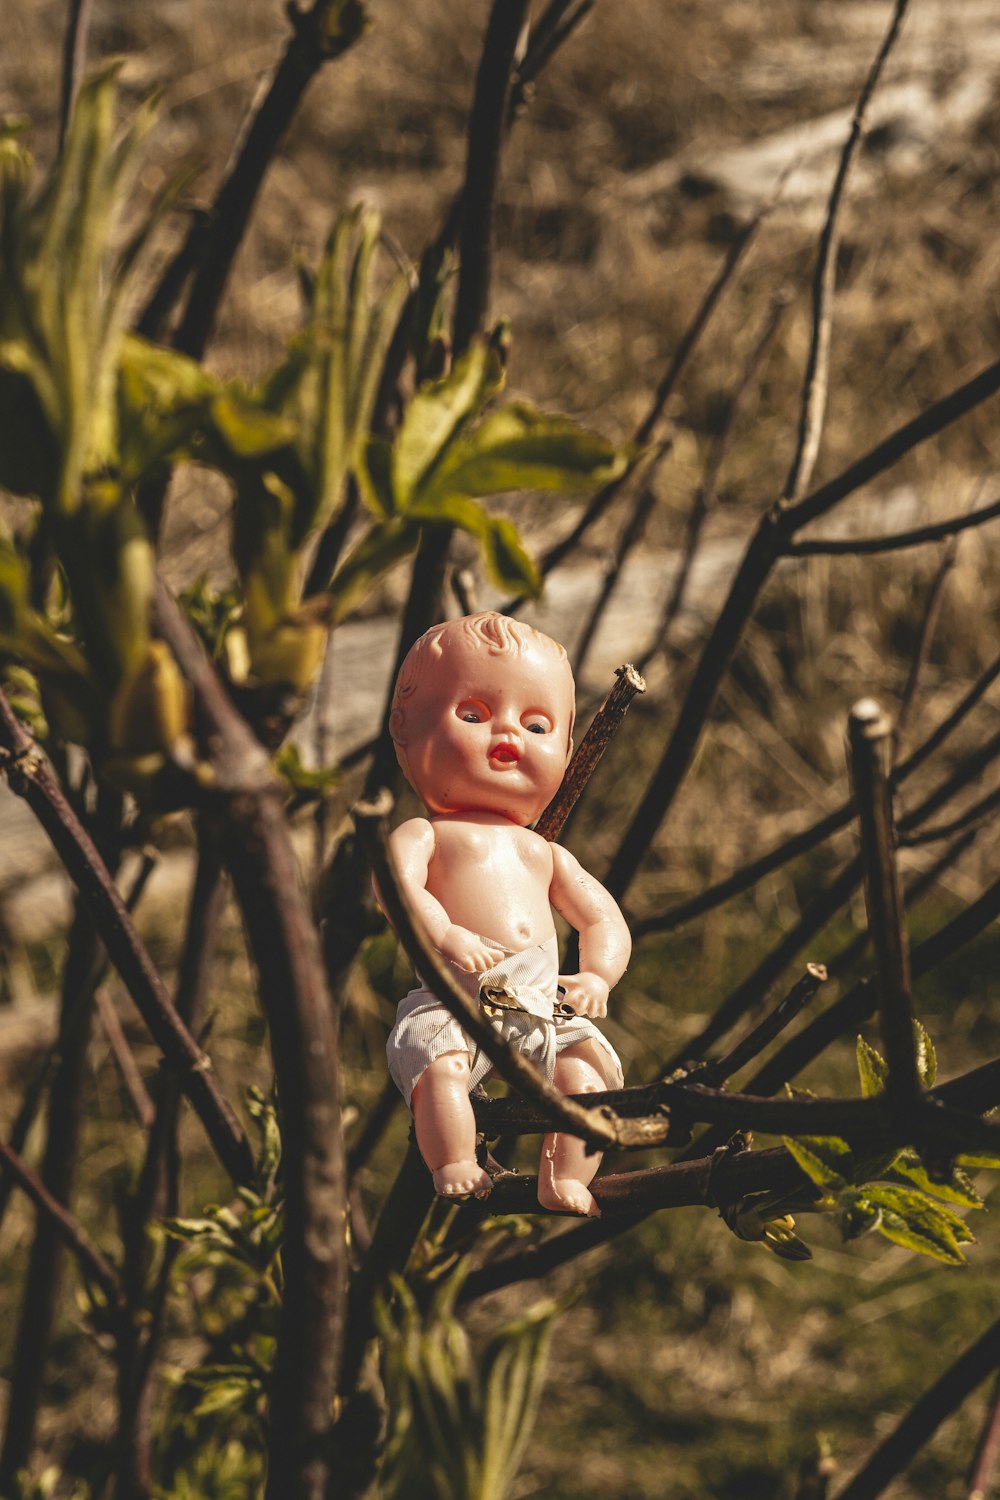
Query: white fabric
pixel 424 1030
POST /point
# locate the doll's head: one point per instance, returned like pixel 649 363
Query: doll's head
pixel 482 717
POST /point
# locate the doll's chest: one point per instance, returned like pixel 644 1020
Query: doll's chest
pixel 488 853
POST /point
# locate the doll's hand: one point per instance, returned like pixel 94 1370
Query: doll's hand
pixel 586 993
pixel 467 951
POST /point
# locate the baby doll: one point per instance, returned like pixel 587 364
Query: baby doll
pixel 482 720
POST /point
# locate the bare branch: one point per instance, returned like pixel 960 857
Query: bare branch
pixel 928 626
pixel 870 740
pixel 29 774
pixel 92 1262
pixel 925 1417
pixel 987 1452
pixel 122 1053
pixel 590 751
pixel 486 130
pixel 309 47
pixel 707 492
pixel 867 546
pixel 800 843
pixel 668 383
pixel 302 1018
pixel 814 392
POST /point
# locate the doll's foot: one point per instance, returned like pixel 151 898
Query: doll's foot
pixel 564 1195
pixel 461 1179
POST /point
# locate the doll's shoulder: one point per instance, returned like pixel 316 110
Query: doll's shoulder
pixel 415 837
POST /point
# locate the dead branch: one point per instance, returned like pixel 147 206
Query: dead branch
pixel 590 751
pixel 925 1417
pixel 870 744
pixel 868 546
pixel 814 391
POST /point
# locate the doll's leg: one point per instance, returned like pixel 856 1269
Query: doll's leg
pixel 446 1127
pixel 565 1169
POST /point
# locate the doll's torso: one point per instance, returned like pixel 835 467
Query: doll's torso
pixel 493 877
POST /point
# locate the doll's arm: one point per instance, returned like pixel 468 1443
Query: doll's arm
pixel 605 941
pixel 412 846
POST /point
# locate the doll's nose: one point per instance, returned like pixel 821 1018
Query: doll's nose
pixel 507 724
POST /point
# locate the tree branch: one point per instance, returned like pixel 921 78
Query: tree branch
pixel 925 1417
pixel 814 392
pixel 30 775
pixel 870 746
pixel 590 751
pixel 868 546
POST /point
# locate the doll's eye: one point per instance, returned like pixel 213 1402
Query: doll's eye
pixel 537 724
pixel 472 713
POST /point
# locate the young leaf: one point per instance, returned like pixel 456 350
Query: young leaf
pixel 437 414
pixel 957 1189
pixel 856 1214
pixel 825 1159
pixel 910 1219
pixel 519 447
pixel 871 1069
pixel 925 1055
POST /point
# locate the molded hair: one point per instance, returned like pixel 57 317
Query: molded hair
pixel 498 634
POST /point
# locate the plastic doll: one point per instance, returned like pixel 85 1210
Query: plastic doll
pixel 482 720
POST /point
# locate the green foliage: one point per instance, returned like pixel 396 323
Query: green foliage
pixel 902 1205
pixel 459 1424
pixel 212 1439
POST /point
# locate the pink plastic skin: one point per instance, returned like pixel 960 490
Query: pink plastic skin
pixel 483 720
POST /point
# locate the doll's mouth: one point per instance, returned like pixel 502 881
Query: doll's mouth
pixel 504 755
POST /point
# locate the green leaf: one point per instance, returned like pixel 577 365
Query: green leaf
pixel 826 1160
pixel 248 430
pixel 910 1219
pixel 381 547
pixel 978 1161
pixel 856 1214
pixel 957 1189
pixel 375 477
pixel 436 416
pixel 508 563
pixel 926 1057
pixel 519 447
pixel 872 1069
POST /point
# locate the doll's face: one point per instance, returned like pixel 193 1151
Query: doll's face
pixel 489 733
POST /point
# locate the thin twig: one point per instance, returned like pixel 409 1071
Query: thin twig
pixel 598 1127
pixel 925 1417
pixel 761 1036
pixel 752 990
pixel 590 751
pixel 979 812
pixel 93 1263
pixel 766 545
pixel 25 1117
pixel 630 534
pixel 815 386
pixel 800 843
pixel 987 1453
pixel 870 740
pixel 925 640
pixel 122 1053
pixel 867 546
pixel 309 47
pixel 643 434
pixel 707 492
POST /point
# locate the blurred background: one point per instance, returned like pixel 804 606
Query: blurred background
pixel 695 1365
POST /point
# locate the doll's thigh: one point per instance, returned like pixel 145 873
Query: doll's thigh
pixel 584 1068
pixel 448 1068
